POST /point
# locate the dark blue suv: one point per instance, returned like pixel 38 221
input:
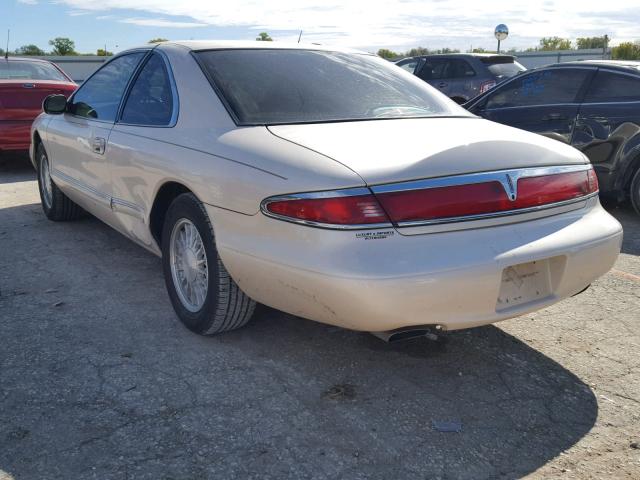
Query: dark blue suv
pixel 592 105
pixel 462 76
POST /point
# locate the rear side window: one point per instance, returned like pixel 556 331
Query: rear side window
pixel 539 88
pixel 459 68
pixel 150 101
pixel 613 87
pixel 99 97
pixel 505 70
pixel 26 70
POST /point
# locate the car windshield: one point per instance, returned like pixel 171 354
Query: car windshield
pixel 26 70
pixel 506 70
pixel 274 86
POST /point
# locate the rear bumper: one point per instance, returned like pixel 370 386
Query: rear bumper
pixel 15 134
pixel 451 279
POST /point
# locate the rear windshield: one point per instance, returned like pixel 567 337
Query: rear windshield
pixel 26 70
pixel 272 86
pixel 505 70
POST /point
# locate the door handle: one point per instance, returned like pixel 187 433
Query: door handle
pixel 98 144
pixel 442 85
pixel 554 116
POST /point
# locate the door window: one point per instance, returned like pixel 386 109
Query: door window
pixel 99 97
pixel 433 70
pixel 547 87
pixel 459 68
pixel 613 87
pixel 150 101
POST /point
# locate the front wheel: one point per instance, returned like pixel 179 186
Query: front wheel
pixel 635 191
pixel 204 296
pixel 55 204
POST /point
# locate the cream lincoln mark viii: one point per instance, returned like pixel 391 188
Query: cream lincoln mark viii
pixel 324 182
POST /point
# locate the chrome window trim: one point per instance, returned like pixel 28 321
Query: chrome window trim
pixel 134 73
pixel 507 178
pixel 174 92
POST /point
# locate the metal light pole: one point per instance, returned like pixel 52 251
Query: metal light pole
pixel 501 33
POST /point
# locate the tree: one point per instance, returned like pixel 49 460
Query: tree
pixel 388 54
pixel 103 53
pixel 158 40
pixel 555 43
pixel 626 51
pixel 63 46
pixel 264 37
pixel 415 52
pixel 592 42
pixel 29 50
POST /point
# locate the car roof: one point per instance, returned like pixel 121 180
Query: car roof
pixel 199 45
pixel 460 54
pixel 24 59
pixel 619 64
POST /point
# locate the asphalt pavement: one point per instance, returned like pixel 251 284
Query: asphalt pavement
pixel 99 380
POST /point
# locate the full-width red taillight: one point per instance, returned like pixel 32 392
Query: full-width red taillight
pixel 486 197
pixel 339 210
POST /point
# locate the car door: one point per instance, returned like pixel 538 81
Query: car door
pixel 78 140
pixel 434 72
pixel 608 127
pixel 544 101
pixel 138 152
pixel 460 78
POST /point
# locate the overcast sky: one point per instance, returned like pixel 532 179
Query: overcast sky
pixel 366 24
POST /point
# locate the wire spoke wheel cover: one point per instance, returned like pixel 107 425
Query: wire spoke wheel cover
pixel 189 266
pixel 45 181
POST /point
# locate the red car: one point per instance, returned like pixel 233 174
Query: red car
pixel 24 84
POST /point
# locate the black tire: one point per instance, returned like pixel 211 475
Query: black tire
pixel 60 208
pixel 225 306
pixel 634 192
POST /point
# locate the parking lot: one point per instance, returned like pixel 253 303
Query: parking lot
pixel 98 379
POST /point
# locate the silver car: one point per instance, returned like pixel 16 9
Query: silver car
pixel 264 173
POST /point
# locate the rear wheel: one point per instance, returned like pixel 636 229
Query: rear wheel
pixel 635 191
pixel 204 296
pixel 55 204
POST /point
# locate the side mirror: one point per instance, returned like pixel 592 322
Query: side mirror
pixel 55 104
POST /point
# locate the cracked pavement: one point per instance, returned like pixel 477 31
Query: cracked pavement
pixel 98 379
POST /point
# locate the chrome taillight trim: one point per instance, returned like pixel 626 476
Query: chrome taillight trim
pixel 504 213
pixel 507 178
pixel 347 192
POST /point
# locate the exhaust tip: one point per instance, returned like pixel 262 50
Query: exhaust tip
pixel 403 334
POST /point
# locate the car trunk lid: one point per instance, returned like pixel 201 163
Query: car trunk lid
pixel 399 150
pixel 479 162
